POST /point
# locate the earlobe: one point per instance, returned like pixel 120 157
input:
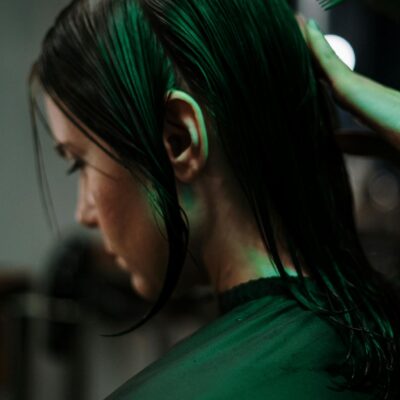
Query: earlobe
pixel 185 135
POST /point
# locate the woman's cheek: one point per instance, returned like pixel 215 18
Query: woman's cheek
pixel 107 211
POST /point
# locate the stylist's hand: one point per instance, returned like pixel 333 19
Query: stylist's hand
pixel 375 105
pixel 336 72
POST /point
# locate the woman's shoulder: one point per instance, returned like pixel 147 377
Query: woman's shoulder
pixel 266 348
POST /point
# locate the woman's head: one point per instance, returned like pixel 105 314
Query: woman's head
pixel 108 77
pixel 247 107
pixel 104 67
pixel 112 200
pixel 110 105
pixel 119 201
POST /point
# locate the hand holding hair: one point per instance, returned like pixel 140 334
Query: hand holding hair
pixel 375 105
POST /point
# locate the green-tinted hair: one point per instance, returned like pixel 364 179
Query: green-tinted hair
pixel 105 69
pixel 247 64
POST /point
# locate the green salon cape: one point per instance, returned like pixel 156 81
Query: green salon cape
pixel 265 346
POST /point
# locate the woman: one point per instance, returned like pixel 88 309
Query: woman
pixel 198 128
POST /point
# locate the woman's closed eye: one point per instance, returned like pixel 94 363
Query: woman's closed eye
pixel 76 165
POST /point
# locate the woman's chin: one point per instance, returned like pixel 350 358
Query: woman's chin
pixel 144 289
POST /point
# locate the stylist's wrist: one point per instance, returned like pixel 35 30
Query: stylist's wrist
pixel 344 83
pixel 338 75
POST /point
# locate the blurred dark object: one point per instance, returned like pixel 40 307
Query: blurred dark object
pixel 82 289
pixel 12 282
pixel 81 281
pixel 383 251
pixel 390 8
pixel 378 208
pixel 80 272
pixel 379 218
pixel 81 284
pixel 367 144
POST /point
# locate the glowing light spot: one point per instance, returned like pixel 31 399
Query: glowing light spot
pixel 384 191
pixel 343 49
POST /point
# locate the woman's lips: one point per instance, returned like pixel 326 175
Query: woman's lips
pixel 121 262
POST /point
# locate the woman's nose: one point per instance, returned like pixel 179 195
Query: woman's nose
pixel 85 213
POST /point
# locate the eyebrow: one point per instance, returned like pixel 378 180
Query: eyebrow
pixel 63 148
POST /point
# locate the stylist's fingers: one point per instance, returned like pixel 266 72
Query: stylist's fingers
pixel 332 66
pixel 302 24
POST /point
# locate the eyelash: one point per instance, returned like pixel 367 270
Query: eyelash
pixel 76 166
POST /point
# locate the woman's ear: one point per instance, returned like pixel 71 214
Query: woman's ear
pixel 185 135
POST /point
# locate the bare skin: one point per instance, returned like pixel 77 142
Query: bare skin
pixel 375 105
pixel 224 238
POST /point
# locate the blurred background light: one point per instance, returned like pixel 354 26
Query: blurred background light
pixel 384 191
pixel 343 49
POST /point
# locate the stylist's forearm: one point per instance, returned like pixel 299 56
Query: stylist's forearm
pixel 376 105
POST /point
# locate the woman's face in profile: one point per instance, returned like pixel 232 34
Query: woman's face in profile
pixel 110 199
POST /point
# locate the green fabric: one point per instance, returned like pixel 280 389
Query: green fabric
pixel 268 348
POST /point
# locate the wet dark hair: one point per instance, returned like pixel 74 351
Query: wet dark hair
pixel 108 66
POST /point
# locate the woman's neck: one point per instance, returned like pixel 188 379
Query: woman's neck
pixel 224 237
pixel 232 250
